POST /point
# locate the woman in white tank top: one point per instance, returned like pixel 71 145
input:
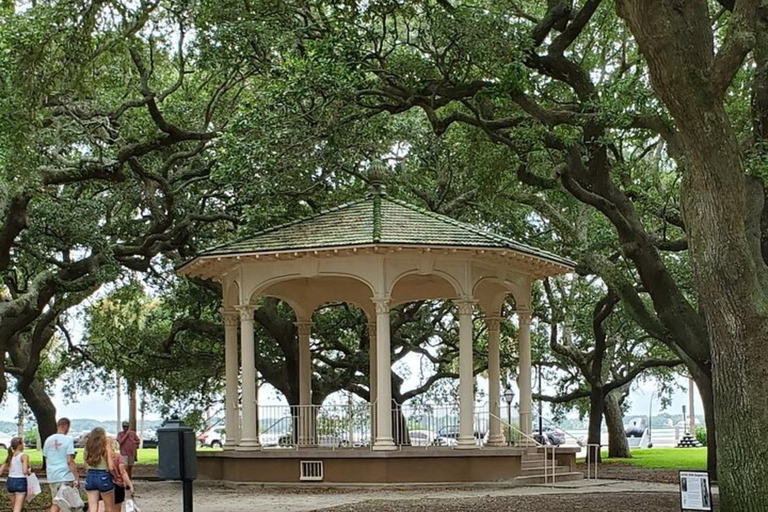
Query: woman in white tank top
pixel 18 469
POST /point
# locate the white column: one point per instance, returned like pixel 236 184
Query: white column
pixel 466 378
pixel 232 367
pixel 249 439
pixel 306 417
pixel 495 437
pixel 383 411
pixel 373 374
pixel 524 378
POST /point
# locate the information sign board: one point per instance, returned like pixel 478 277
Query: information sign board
pixel 695 491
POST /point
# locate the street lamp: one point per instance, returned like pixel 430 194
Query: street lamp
pixel 509 395
pixel 650 422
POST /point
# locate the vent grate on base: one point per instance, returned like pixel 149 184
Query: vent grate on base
pixel 311 470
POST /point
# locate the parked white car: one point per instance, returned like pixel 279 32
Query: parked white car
pixel 422 437
pixel 5 441
pixel 214 438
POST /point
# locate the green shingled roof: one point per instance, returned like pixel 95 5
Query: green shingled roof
pixel 376 219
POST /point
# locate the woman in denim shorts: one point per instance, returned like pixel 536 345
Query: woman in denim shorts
pixel 18 470
pixel 98 480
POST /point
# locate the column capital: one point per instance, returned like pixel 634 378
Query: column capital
pixel 382 305
pixel 246 312
pixel 493 323
pixel 304 327
pixel 524 316
pixel 230 316
pixel 466 306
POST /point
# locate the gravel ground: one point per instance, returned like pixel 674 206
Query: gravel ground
pixel 603 495
pixel 616 496
pixel 618 502
pixel 618 471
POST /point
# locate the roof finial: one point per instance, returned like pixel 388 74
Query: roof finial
pixel 377 171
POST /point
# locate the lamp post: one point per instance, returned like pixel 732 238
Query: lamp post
pixel 509 395
pixel 650 423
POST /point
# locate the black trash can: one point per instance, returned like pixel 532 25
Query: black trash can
pixel 177 456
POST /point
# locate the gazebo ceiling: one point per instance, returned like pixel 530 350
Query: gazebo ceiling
pixel 376 222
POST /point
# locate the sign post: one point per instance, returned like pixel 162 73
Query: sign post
pixel 695 491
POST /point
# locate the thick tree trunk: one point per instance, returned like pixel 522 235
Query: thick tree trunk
pixel 400 432
pixel 676 38
pixel 595 418
pixel 132 405
pixel 618 447
pixel 3 379
pixel 704 385
pixel 42 407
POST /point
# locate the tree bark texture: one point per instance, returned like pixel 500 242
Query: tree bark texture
pixel 618 447
pixel 132 404
pixel 676 39
pixel 704 384
pixel 42 407
pixel 595 417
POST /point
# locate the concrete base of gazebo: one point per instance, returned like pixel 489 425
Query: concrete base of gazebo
pixel 514 466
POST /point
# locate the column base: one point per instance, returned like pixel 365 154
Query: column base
pixel 384 445
pixel 497 440
pixel 230 447
pixel 248 445
pixel 467 443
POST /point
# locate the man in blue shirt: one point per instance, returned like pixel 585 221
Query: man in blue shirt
pixel 59 453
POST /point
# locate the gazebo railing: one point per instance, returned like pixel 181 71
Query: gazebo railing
pixel 318 426
pixel 342 426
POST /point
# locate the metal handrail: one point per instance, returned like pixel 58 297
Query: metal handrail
pixel 553 424
pixel 547 474
pixel 592 462
pixel 512 427
pixel 593 450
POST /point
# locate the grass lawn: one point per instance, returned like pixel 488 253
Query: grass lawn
pixel 147 456
pixel 664 458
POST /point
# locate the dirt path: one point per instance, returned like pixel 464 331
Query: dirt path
pixel 616 502
pixel 606 496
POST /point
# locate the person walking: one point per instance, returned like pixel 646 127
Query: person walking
pixel 17 463
pixel 59 453
pixel 122 481
pixel 129 444
pixel 100 463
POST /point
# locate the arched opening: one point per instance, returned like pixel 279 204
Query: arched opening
pixel 413 286
pixel 425 363
pixel 277 363
pixel 317 344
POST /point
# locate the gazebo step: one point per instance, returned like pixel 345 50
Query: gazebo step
pixel 539 471
pixel 539 479
pixel 533 460
pixel 533 464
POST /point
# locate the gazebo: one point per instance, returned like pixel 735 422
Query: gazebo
pixel 376 253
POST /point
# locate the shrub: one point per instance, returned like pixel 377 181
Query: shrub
pixel 701 435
